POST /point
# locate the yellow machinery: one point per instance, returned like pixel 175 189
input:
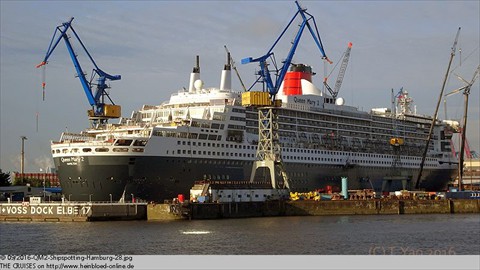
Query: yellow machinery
pixel 109 111
pixel 254 98
pixel 396 141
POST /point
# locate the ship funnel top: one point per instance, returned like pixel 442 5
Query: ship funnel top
pixel 293 80
pixel 228 65
pixel 196 68
pixel 195 75
pixel 226 78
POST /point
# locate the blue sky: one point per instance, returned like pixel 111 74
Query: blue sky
pixel 152 44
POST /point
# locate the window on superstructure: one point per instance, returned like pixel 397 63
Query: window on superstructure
pixel 123 142
pixel 140 142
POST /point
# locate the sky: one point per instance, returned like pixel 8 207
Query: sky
pixel 152 45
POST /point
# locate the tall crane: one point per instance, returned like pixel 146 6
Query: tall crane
pixel 101 111
pixel 341 73
pixel 434 118
pixel 264 73
pixel 269 151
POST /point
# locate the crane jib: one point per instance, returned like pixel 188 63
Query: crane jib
pixel 101 111
pixel 264 74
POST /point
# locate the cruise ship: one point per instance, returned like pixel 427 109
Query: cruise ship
pixel 206 134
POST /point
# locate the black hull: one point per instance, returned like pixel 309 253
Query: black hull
pixel 94 178
pixel 157 179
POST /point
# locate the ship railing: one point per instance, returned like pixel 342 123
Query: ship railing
pixel 136 202
pixel 76 137
pixel 233 184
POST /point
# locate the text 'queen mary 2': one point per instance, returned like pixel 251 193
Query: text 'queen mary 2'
pixel 205 133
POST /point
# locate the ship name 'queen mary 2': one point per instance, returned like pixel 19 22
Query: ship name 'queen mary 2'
pixel 206 134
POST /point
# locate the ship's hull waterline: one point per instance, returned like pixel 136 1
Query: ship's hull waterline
pixel 162 178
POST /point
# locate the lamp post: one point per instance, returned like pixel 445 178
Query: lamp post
pixel 110 197
pixel 22 161
pixel 41 170
pixel 90 197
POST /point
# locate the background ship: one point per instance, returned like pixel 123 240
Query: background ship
pixel 206 133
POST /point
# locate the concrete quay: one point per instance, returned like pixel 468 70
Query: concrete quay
pixel 309 208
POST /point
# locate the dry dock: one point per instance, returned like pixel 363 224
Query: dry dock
pixel 309 208
pixel 72 211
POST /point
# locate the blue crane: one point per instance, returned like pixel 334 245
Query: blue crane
pixel 100 112
pixel 264 73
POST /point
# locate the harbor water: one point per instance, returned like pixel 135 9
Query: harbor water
pixel 442 234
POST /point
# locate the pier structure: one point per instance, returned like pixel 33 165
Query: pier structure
pixel 269 153
pixel 35 210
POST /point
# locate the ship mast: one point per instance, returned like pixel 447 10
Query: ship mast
pixel 434 119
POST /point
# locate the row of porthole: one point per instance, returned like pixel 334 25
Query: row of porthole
pixel 321 152
pixel 236 146
pixel 194 152
pixel 353 161
pixel 240 196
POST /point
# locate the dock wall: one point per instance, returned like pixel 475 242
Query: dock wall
pixel 55 212
pixel 313 208
pixel 163 212
pixel 112 211
pixel 465 206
